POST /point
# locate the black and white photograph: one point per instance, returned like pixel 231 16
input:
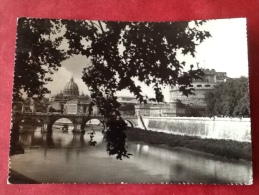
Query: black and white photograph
pixel 115 102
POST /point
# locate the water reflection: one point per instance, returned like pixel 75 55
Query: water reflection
pixel 180 165
pixel 67 157
pixel 34 138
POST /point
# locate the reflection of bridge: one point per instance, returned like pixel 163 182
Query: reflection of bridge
pixel 48 119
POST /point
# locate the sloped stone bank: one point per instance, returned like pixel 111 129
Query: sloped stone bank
pixel 227 148
pixel 236 129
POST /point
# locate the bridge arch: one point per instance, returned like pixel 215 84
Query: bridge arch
pixel 92 121
pixel 64 123
pixel 17 122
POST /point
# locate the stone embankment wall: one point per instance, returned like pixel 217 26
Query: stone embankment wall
pixel 210 128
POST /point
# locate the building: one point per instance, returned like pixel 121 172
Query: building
pixel 127 104
pixel 69 101
pixel 195 104
pixel 70 92
pixel 142 109
pixel 181 105
pixel 125 100
pixel 130 106
pixel 31 105
pixel 160 109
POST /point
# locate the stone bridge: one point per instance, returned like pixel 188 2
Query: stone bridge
pixel 206 128
pixel 48 119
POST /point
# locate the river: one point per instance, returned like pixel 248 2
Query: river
pixel 68 158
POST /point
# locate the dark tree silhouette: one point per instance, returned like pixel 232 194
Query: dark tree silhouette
pixel 37 56
pixel 123 51
pixel 120 52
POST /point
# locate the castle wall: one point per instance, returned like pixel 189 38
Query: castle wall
pixel 201 87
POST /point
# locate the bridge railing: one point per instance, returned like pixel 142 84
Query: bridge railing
pixel 65 114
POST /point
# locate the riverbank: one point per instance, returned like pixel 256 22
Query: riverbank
pixel 225 148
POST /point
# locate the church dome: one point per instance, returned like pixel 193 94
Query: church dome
pixel 71 89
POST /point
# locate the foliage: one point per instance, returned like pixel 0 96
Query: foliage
pixel 116 138
pixel 230 98
pixel 37 56
pixel 120 54
pixel 123 51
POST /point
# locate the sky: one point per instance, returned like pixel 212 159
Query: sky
pixel 225 51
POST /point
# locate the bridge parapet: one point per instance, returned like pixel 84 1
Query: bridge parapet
pixel 200 118
pixel 47 114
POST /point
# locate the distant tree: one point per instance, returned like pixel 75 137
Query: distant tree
pixel 230 98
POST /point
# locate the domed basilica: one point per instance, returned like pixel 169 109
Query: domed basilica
pixel 71 89
pixel 69 100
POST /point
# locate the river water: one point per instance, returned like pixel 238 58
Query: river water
pixel 68 158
